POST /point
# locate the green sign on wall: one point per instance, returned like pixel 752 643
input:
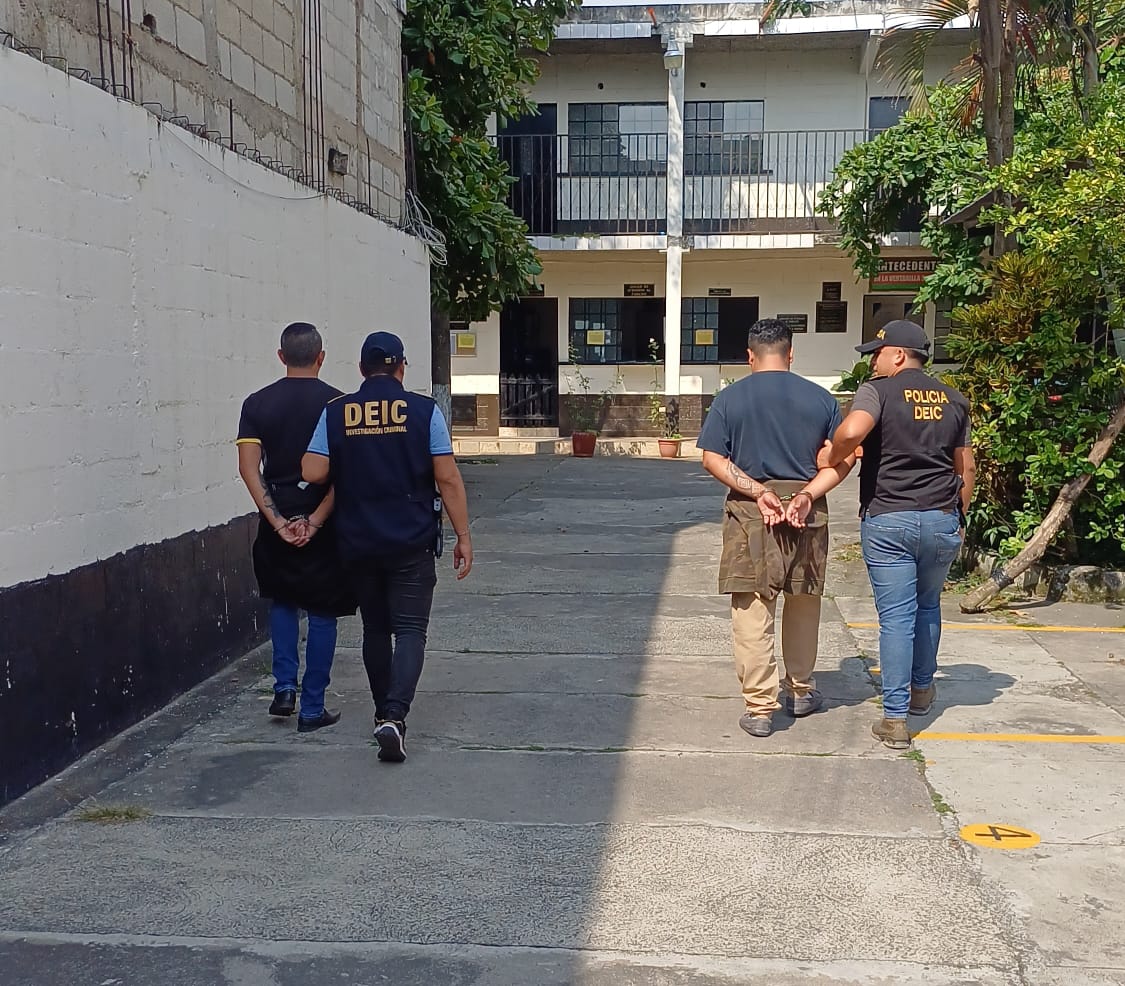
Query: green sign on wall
pixel 902 273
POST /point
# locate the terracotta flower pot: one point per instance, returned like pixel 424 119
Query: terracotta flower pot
pixel 669 447
pixel 582 444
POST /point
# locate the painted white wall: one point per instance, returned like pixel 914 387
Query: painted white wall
pixel 785 282
pixel 146 278
pixel 480 373
pixel 816 89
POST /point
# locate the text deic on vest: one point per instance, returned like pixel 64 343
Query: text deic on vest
pixel 926 403
pixel 374 418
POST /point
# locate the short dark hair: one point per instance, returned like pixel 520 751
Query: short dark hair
pixel 379 369
pixel 770 336
pixel 301 344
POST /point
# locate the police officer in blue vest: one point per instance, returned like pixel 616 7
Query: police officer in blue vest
pixel 388 454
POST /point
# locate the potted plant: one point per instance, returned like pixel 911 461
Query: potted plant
pixel 663 415
pixel 585 414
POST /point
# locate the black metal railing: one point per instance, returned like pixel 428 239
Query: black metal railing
pixel 766 182
pixel 574 185
pixel 529 402
pixel 760 182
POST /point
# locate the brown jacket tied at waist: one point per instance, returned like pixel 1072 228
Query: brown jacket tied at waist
pixel 767 560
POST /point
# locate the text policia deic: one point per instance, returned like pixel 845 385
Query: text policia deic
pixel 927 403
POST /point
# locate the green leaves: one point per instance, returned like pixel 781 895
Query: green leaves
pixel 469 61
pixel 1039 398
pixel 925 164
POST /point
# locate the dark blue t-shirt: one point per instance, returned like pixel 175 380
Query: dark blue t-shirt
pixel 771 424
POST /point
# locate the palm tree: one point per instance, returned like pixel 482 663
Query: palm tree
pixel 1016 44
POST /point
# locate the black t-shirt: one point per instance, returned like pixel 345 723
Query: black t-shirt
pixel 908 457
pixel 771 424
pixel 281 418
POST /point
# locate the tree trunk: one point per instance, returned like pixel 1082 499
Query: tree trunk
pixel 1008 44
pixel 1004 576
pixel 440 373
pixel 991 50
pixel 1091 66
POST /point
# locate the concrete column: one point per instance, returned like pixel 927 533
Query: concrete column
pixel 675 214
pixel 672 294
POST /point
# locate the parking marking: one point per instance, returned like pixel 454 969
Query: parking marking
pixel 1000 836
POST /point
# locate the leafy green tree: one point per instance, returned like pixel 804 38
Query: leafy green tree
pixel 1067 183
pixel 1017 46
pixel 1065 202
pixel 926 164
pixel 469 61
pixel 1041 400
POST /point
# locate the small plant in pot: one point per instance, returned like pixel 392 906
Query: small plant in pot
pixel 663 413
pixel 586 409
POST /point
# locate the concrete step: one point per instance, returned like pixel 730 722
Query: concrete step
pixel 637 447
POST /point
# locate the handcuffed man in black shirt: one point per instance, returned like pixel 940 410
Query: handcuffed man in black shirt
pixel 295 554
pixel 914 490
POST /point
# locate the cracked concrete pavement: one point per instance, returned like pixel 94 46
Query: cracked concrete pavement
pixel 580 806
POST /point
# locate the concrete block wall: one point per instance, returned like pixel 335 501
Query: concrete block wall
pixel 147 275
pixel 212 60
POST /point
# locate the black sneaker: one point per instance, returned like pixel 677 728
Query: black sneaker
pixel 284 703
pixel 390 734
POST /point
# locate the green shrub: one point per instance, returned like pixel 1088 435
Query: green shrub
pixel 1039 400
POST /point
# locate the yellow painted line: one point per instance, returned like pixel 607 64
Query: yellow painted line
pixel 1019 738
pixel 1005 626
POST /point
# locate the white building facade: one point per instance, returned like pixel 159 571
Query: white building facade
pixel 670 184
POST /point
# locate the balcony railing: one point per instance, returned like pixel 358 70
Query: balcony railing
pixel 765 182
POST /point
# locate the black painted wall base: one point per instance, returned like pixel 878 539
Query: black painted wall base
pixel 87 654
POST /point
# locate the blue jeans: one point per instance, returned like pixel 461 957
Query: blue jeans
pixel 395 595
pixel 285 626
pixel 908 554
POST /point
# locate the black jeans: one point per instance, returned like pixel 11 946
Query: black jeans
pixel 395 594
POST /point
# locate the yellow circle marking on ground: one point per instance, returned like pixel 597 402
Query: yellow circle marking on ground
pixel 999 836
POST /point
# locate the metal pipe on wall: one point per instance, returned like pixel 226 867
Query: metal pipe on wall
pixel 306 93
pixel 101 39
pixel 320 94
pixel 109 41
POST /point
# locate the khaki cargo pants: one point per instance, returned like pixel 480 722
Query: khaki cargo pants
pixel 759 564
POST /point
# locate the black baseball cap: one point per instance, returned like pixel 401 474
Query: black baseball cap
pixel 902 333
pixel 382 347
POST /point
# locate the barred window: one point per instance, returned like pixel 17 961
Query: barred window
pixel 595 329
pixel 943 322
pixel 699 330
pixel 618 138
pixel 723 138
pixel 714 330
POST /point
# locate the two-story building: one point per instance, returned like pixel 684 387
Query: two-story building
pixel 670 183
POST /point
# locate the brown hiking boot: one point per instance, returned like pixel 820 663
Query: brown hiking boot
pixel 893 733
pixel 922 699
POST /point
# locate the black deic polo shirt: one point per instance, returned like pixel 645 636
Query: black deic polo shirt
pixel 908 457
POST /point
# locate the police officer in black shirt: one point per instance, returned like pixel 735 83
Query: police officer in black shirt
pixel 914 490
pixel 385 450
pixel 295 558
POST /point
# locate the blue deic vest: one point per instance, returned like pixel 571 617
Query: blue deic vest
pixel 379 450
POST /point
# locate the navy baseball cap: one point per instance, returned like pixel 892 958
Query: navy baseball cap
pixel 382 347
pixel 902 333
